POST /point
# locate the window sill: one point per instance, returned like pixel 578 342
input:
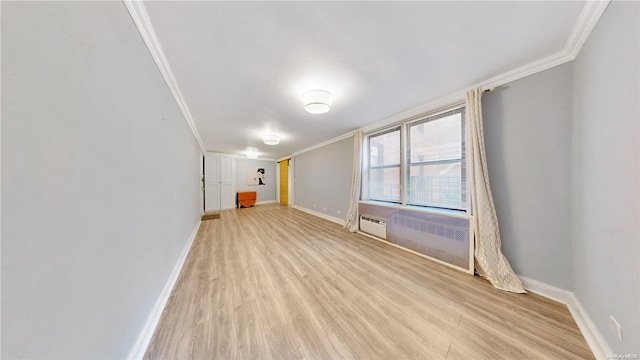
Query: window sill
pixel 424 209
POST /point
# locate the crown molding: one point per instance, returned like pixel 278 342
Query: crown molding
pixel 244 157
pixel 238 156
pixel 325 143
pixel 145 28
pixel 587 20
pixel 591 13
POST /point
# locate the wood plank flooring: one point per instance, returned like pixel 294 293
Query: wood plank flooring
pixel 271 282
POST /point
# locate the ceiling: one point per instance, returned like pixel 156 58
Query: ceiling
pixel 242 67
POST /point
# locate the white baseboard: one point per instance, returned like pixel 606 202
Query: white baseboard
pixel 141 344
pixel 321 215
pixel 592 336
pixel 550 292
pixel 265 202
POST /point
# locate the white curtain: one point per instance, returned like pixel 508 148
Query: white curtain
pixel 352 216
pixel 489 261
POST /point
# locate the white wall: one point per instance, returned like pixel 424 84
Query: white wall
pixel 100 181
pixel 606 167
pixel 323 178
pixel 527 128
pixel 264 192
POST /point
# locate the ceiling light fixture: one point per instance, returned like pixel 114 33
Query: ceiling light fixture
pixel 252 155
pixel 317 101
pixel 271 139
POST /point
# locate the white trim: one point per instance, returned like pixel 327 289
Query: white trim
pixel 524 71
pixel 592 336
pixel 201 181
pixel 421 209
pixel 237 156
pixel 142 342
pixel 291 179
pixel 321 215
pixel 143 23
pixel 246 158
pixel 466 271
pixel 458 96
pixel 431 106
pixel 286 157
pixel 588 19
pixel 550 292
pixel 277 183
pixel 330 141
pixel 265 202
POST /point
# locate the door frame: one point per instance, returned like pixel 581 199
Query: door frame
pixel 290 180
pixel 202 183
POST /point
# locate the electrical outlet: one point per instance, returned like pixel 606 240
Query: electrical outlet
pixel 615 327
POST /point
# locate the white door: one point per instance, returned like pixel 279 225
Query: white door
pixel 227 182
pixel 212 183
pixel 219 183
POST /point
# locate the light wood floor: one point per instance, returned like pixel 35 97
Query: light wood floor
pixel 272 282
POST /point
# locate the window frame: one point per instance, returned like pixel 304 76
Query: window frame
pixel 385 131
pixel 405 160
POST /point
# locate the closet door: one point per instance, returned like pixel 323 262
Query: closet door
pixel 212 183
pixel 219 182
pixel 227 182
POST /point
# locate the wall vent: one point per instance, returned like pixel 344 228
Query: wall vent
pixel 373 227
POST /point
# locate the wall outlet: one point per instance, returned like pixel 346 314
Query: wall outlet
pixel 615 327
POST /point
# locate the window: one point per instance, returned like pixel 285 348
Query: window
pixel 384 165
pixel 433 149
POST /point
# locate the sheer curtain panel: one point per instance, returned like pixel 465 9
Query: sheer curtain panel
pixel 489 261
pixel 351 223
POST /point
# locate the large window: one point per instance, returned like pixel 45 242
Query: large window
pixel 384 165
pixel 430 152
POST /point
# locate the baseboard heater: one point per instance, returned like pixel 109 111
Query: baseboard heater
pixel 373 227
pixel 446 237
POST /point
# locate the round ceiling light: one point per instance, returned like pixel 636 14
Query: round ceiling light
pixel 271 139
pixel 317 101
pixel 252 155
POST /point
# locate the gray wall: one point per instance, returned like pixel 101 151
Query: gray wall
pixel 606 155
pixel 527 126
pixel 265 192
pixel 100 181
pixel 323 178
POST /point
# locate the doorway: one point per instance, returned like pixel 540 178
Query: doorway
pixel 284 182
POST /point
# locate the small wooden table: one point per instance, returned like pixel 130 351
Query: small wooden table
pixel 246 198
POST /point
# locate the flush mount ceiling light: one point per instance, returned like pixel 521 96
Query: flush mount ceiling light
pixel 317 101
pixel 252 155
pixel 271 139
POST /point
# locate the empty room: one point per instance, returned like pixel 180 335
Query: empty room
pixel 320 180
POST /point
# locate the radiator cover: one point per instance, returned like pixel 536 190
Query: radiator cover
pixel 443 237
